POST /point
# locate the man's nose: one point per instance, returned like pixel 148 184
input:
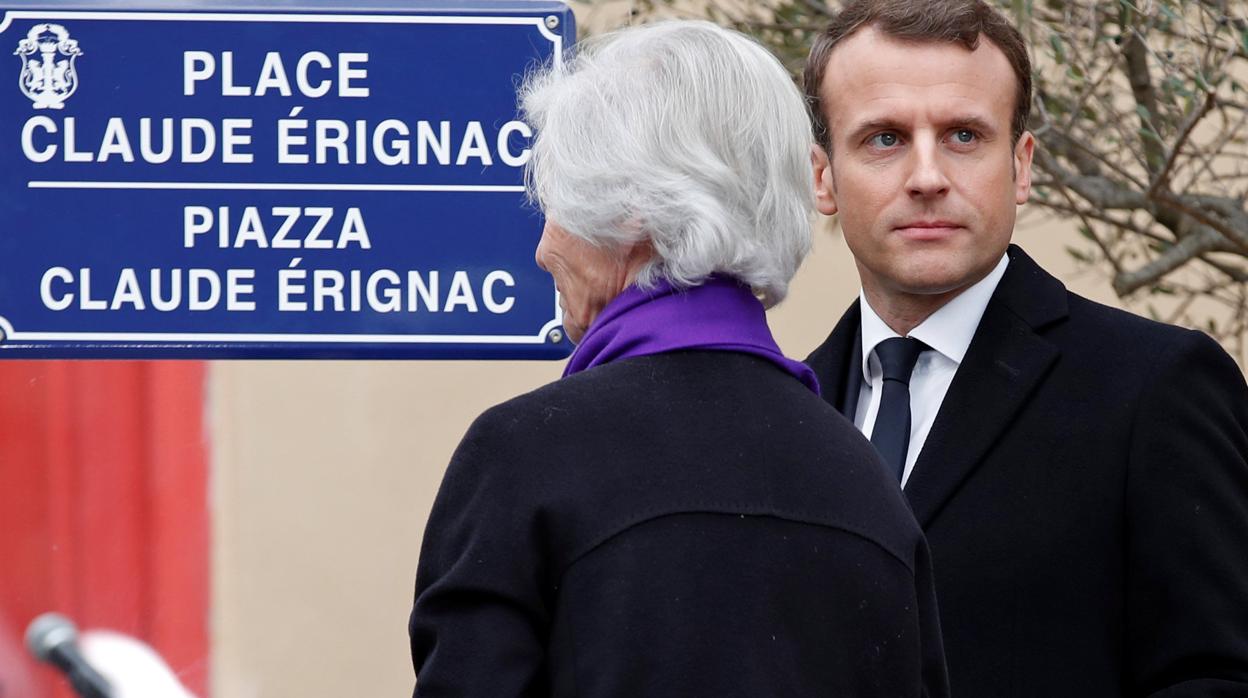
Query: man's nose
pixel 927 174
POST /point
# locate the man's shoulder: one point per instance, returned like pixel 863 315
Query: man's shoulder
pixel 1121 337
pixel 1090 315
pixel 1116 340
pixel 1084 328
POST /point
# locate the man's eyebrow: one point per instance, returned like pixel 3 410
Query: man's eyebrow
pixel 973 122
pixel 865 128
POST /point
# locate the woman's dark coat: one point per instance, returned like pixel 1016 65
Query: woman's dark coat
pixel 687 524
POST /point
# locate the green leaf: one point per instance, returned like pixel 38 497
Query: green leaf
pixel 1059 48
pixel 1149 134
pixel 1173 85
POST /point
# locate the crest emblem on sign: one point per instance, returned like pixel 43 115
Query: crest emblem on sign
pixel 47 54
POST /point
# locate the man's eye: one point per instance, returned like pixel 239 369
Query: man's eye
pixel 883 140
pixel 964 135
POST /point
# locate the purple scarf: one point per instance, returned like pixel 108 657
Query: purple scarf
pixel 720 315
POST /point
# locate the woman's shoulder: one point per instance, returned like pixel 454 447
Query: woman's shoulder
pixel 687 431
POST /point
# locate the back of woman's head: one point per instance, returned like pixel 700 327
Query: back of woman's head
pixel 682 133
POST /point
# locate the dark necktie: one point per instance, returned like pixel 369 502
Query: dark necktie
pixel 891 434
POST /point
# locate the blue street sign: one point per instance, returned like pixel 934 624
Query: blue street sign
pixel 303 182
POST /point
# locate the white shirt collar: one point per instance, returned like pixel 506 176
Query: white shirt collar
pixel 949 330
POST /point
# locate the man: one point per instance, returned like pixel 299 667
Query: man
pixel 1081 473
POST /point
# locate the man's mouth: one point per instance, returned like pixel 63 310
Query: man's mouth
pixel 927 229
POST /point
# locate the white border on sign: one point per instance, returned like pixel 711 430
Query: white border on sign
pixel 191 16
pixel 9 334
pixel 275 186
pixel 539 22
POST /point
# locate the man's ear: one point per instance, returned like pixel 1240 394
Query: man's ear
pixel 1024 149
pixel 825 186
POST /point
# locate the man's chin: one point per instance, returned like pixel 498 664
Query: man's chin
pixel 933 283
pixel 938 274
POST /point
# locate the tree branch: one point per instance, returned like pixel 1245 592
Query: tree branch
pixel 1185 132
pixel 1085 159
pixel 1236 232
pixel 1199 242
pixel 818 7
pixel 1135 55
pixel 1236 274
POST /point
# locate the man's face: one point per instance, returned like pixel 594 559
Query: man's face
pixel 923 171
pixel 587 277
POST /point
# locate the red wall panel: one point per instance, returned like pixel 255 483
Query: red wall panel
pixel 103 509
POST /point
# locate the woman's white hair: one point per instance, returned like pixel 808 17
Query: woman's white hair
pixel 682 133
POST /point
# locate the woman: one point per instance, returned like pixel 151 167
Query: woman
pixel 681 514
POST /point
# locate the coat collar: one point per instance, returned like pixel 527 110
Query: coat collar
pixel 843 348
pixel 1005 362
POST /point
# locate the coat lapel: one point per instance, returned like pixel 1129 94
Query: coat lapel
pixel 1003 365
pixel 835 360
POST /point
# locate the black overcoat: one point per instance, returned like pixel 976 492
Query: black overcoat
pixel 681 525
pixel 1084 490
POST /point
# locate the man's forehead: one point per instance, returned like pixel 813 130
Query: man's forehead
pixel 870 71
pixel 906 112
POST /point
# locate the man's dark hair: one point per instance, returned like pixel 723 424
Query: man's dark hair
pixel 961 21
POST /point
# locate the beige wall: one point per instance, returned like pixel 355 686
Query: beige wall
pixel 324 473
